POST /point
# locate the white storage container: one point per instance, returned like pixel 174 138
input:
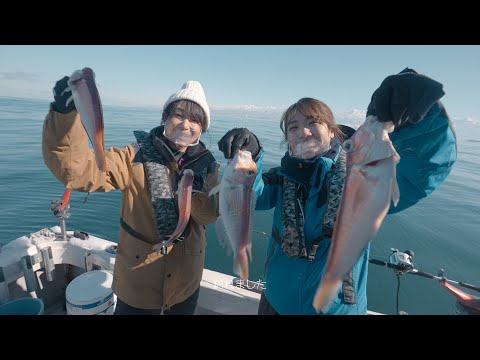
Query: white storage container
pixel 91 294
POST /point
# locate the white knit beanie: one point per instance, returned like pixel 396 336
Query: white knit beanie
pixel 192 90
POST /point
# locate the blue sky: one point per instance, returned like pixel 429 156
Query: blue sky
pixel 343 76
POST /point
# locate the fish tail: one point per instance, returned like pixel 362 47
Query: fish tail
pixel 248 247
pixel 101 161
pixel 240 265
pixel 394 188
pixel 325 294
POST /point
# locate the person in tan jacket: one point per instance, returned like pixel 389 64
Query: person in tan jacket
pixel 144 280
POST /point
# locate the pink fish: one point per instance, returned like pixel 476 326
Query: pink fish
pixel 236 206
pixel 184 193
pixel 370 186
pixel 88 104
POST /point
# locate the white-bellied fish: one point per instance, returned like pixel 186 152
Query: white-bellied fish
pixel 184 196
pixel 234 226
pixel 88 104
pixel 370 186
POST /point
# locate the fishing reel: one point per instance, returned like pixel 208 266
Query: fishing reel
pixel 402 261
pixel 59 209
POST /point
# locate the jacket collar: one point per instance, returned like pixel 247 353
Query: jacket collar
pixel 301 170
pixel 166 148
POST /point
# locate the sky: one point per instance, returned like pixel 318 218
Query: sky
pixel 244 76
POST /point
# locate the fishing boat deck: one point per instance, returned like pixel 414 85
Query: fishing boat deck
pixel 47 250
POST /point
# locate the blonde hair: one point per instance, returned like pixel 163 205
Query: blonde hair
pixel 311 108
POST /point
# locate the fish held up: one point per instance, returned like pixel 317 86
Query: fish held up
pixel 184 196
pixel 234 226
pixel 87 101
pixel 370 187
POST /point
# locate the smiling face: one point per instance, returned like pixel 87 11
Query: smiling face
pixel 309 127
pixel 307 137
pixel 183 123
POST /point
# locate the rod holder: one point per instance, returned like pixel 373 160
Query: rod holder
pixel 28 273
pixel 88 262
pixel 48 263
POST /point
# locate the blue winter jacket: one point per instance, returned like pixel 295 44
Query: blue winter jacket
pixel 427 151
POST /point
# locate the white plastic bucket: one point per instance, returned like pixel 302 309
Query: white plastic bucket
pixel 91 294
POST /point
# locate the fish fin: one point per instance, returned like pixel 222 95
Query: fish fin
pixel 240 265
pixel 214 190
pixel 101 163
pixel 222 235
pixel 248 245
pixel 70 98
pixel 326 292
pixel 395 190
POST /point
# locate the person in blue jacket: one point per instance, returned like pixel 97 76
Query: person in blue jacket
pixel 306 189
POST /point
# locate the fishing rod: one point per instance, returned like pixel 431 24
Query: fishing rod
pixel 60 209
pixel 401 263
pixel 261 232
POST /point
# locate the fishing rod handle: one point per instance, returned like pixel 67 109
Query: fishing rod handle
pixel 387 264
pixel 377 262
pixel 469 286
pixel 424 274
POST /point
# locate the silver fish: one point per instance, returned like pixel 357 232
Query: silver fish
pixel 88 104
pixel 236 206
pixel 370 186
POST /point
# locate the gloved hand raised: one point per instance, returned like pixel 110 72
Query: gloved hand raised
pixel 63 97
pixel 239 138
pixel 405 98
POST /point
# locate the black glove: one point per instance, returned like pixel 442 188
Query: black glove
pixel 239 138
pixel 405 98
pixel 63 97
pixel 197 182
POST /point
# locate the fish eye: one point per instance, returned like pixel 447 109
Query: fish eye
pixel 348 145
pixel 250 172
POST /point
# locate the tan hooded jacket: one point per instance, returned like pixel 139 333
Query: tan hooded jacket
pixel 142 278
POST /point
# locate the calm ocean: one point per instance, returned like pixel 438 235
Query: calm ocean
pixel 442 230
